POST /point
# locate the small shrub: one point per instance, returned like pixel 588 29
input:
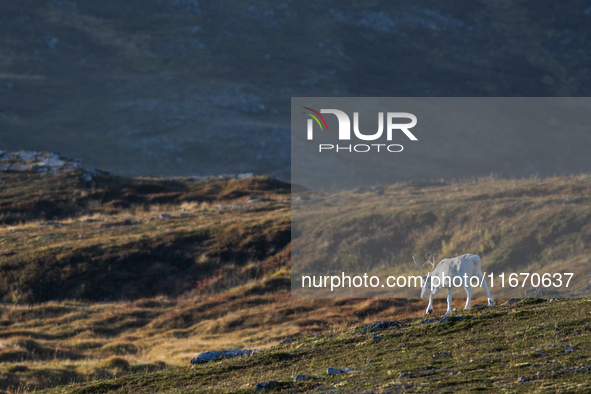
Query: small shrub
pixel 120 348
pixel 115 363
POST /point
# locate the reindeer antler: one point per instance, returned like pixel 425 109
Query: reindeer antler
pixel 420 266
pixel 431 260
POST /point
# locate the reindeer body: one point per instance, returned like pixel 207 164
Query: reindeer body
pixel 465 266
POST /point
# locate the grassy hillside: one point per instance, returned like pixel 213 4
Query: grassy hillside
pixel 527 225
pixel 526 347
pixel 129 278
pixel 62 241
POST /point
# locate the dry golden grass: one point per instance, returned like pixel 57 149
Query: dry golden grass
pixel 216 274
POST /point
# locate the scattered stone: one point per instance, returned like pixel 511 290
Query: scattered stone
pixel 376 337
pixel 539 373
pixel 402 374
pixel 511 301
pixel 428 321
pixel 333 371
pixel 430 368
pixel 302 377
pixel 26 155
pixel 522 380
pixel 215 355
pixel 381 325
pixel 253 199
pixel 569 350
pixel 452 318
pixel 86 177
pixel 40 163
pixel 164 216
pixel 198 178
pixel 302 198
pixel 441 354
pixel 379 192
pixel 52 160
pixel 265 385
pixel 287 340
pixel 185 215
pixel 477 306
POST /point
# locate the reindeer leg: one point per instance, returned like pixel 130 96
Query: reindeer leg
pixel 448 301
pixel 491 302
pixel 430 306
pixel 469 297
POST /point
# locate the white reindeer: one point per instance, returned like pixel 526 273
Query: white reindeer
pixel 465 266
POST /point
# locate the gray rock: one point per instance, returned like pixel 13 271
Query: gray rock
pixel 381 325
pixel 164 216
pixel 287 340
pixel 333 371
pixel 198 178
pixel 265 385
pixel 446 318
pixel 522 380
pixel 86 177
pixel 52 161
pixel 302 377
pixel 430 368
pixel 430 321
pixel 511 301
pixel 245 175
pixel 215 355
pixel 26 155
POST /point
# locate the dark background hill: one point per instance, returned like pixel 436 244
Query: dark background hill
pixel 187 87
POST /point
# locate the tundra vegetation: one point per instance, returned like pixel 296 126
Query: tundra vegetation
pixel 115 286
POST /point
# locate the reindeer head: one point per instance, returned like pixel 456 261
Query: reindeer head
pixel 426 277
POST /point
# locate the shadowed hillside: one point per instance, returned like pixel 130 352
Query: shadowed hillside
pixel 185 87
